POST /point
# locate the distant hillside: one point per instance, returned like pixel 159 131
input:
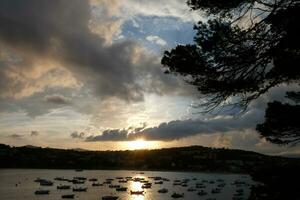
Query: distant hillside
pixel 194 158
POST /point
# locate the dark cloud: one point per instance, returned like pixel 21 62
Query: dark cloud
pixel 110 135
pixel 34 133
pixel 77 135
pixel 35 104
pixel 178 129
pixel 57 99
pixel 59 30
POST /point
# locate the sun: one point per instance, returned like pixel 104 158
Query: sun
pixel 139 144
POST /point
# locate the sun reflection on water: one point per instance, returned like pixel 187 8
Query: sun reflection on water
pixel 136 186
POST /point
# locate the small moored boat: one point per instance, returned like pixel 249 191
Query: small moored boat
pixel 79 189
pixel 191 189
pixel 68 196
pixel 202 193
pixel 41 192
pixel 121 189
pixel 97 184
pixel 163 190
pixel 63 187
pixel 110 197
pixel 137 192
pixel 177 195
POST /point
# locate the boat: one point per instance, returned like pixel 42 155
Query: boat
pixel 80 178
pixel 137 192
pixel 123 181
pixel 110 197
pixel 79 189
pixel 63 187
pixel 184 185
pixel 159 182
pixel 221 185
pixel 121 189
pixel 93 179
pixel 107 182
pixel 41 192
pixel 215 190
pixel 177 195
pixel 138 179
pixel 146 185
pixel 76 181
pixel 200 186
pixel 191 189
pixel 68 196
pixel 237 198
pixel 202 193
pixel 114 186
pixel 46 183
pixel 163 190
pixel 97 184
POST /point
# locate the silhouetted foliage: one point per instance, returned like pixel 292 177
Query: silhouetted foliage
pixel 246 48
pixel 281 124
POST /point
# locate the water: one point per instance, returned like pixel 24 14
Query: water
pixel 24 178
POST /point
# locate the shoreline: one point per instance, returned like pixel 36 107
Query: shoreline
pixel 136 170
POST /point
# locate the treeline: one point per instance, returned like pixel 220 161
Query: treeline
pixel 194 158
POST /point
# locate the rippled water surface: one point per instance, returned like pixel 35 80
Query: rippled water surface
pixel 19 184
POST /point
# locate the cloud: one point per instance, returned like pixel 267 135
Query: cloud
pixel 157 40
pixel 57 99
pixel 178 129
pixel 34 133
pixel 223 123
pixel 110 135
pixel 159 8
pixel 77 135
pixel 59 44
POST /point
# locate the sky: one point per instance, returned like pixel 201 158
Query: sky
pixel 87 74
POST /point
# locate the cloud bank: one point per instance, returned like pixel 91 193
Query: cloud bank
pixel 179 129
pixel 41 37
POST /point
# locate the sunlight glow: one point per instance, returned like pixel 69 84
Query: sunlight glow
pixel 141 144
